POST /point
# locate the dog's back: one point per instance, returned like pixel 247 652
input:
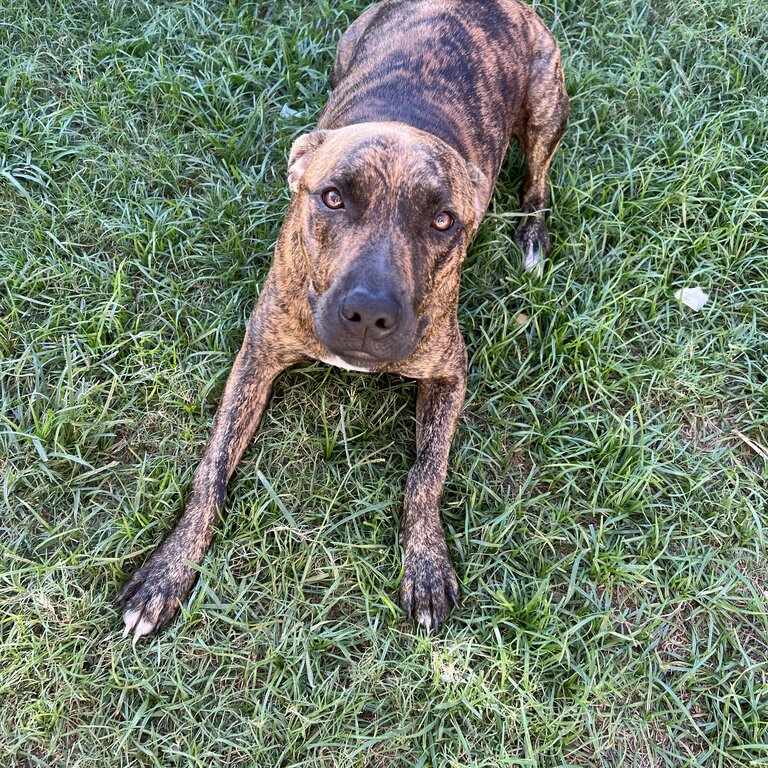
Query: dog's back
pixel 457 69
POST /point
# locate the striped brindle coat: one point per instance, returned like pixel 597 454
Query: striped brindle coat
pixel 386 196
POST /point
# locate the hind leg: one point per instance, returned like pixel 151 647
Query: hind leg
pixel 539 131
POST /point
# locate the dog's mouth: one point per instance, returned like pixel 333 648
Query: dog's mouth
pixel 359 359
pixel 368 353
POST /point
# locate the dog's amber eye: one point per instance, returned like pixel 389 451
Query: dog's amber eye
pixel 332 199
pixel 442 222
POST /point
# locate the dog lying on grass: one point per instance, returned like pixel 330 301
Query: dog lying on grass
pixel 387 194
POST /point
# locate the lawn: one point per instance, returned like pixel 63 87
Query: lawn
pixel 606 502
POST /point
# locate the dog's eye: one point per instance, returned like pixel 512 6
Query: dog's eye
pixel 332 199
pixel 442 222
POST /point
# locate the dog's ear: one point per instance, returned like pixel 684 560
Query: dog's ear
pixel 301 153
pixel 482 188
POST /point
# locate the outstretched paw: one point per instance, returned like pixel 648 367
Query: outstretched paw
pixel 429 589
pixel 153 596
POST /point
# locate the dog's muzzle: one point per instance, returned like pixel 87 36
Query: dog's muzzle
pixel 366 322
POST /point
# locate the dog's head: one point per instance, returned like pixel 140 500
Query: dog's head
pixel 385 214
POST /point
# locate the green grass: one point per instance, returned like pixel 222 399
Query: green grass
pixel 606 504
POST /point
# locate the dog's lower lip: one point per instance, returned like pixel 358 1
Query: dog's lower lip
pixel 359 356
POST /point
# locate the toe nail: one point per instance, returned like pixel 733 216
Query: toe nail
pixel 130 618
pixel 533 259
pixel 144 628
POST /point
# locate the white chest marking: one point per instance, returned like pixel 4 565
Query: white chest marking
pixel 339 363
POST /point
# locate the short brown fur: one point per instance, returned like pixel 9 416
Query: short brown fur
pixel 427 94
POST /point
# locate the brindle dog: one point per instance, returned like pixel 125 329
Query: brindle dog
pixel 386 196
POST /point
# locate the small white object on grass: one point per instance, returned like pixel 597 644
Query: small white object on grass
pixel 287 112
pixel 694 298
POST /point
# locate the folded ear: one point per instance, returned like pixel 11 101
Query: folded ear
pixel 483 189
pixel 301 154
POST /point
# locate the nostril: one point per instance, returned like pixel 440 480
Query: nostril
pixel 355 317
pixel 382 323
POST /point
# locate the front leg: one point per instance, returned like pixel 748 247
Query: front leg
pixel 429 588
pixel 154 593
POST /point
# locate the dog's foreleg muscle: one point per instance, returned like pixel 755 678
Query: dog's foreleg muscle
pixel 156 590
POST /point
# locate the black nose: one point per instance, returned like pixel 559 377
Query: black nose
pixel 370 313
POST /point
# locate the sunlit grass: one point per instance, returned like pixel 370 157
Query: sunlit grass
pixel 606 502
